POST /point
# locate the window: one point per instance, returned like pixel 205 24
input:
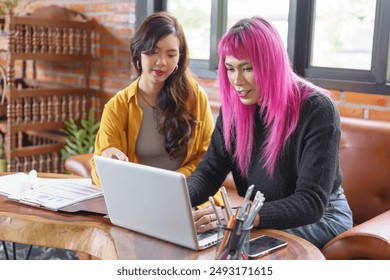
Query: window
pixel 195 18
pixel 343 34
pixel 343 45
pixel 275 11
pixel 205 21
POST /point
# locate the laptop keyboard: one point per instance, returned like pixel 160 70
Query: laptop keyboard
pixel 206 234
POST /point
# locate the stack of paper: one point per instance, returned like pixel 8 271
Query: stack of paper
pixel 49 193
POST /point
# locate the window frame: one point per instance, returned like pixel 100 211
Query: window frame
pixel 299 44
pixel 367 81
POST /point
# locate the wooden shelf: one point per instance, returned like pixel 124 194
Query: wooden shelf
pixel 34 111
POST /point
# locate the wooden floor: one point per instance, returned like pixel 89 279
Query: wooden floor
pixel 37 253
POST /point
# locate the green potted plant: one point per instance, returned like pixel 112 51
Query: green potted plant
pixel 80 138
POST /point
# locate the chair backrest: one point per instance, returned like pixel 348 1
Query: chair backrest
pixel 365 163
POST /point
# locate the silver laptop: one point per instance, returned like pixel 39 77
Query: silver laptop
pixel 150 200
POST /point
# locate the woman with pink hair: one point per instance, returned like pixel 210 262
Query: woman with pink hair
pixel 277 131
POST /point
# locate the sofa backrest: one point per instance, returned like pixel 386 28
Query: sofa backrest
pixel 365 163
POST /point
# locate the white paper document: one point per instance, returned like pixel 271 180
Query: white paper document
pixel 49 193
pixel 14 183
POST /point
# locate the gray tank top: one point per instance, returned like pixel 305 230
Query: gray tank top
pixel 150 143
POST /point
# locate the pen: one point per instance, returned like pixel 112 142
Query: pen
pixel 225 199
pixel 211 199
pixel 257 204
pixel 244 204
pixel 243 237
pixel 224 214
pixel 248 194
pixel 235 236
pixel 253 204
pixel 226 237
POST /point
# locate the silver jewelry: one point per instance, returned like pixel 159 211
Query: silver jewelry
pixel 211 218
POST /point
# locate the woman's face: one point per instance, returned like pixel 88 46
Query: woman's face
pixel 159 65
pixel 241 77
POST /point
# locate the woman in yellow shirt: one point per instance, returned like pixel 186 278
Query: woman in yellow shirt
pixel 163 118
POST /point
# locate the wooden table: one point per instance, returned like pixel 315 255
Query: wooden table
pixel 95 235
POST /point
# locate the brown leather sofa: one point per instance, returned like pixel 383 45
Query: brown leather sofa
pixel 365 162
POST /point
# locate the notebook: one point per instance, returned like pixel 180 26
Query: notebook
pixel 150 200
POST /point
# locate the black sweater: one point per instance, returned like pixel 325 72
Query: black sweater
pixel 306 173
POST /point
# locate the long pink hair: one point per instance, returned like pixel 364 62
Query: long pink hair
pixel 281 96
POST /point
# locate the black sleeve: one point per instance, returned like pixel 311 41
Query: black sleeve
pixel 212 169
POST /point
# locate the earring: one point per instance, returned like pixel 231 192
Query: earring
pixel 138 66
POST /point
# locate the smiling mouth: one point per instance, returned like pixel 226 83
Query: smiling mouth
pixel 243 93
pixel 158 72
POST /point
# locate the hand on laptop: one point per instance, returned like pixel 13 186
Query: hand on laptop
pixel 205 219
pixel 114 153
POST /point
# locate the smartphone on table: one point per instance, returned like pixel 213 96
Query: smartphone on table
pixel 263 245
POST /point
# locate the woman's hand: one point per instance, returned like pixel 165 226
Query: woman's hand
pixel 205 219
pixel 114 153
